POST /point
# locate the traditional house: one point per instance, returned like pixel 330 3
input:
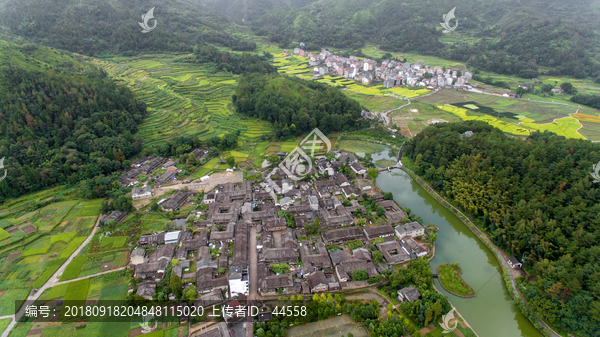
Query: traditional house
pixel 514 263
pixel 279 255
pixel 338 217
pixel 341 235
pixel 146 290
pixel 393 252
pixel 152 239
pixel 362 253
pixel 129 178
pixel 276 284
pixel 411 229
pixel 152 270
pixel 408 294
pixel 142 192
pixel 341 179
pixel 393 213
pixel 275 224
pixel 315 256
pixel 378 232
pixel 346 268
pixel 167 177
pixel 116 216
pixel 349 191
pixel 151 165
pixel 175 202
pixel 200 153
pixel 415 248
pixel 318 282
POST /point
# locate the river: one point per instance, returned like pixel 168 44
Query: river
pixel 492 312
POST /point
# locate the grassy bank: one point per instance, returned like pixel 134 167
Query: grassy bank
pixel 450 279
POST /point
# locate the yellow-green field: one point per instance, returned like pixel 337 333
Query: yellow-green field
pixel 566 126
pixel 517 116
pixel 298 66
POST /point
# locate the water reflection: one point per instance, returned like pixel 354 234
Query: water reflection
pixel 492 312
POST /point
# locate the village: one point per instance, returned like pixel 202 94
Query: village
pixel 335 234
pixel 390 72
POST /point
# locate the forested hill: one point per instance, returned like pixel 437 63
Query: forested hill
pixel 506 36
pixel 61 120
pixel 248 10
pixel 537 200
pixel 296 106
pixel 94 27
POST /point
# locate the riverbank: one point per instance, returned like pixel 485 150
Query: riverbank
pixel 430 257
pixel 509 282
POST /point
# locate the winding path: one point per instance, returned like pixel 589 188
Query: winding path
pixel 52 281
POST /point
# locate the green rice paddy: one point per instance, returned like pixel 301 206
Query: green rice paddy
pixel 356 145
pixel 518 117
pixel 40 240
pixel 183 98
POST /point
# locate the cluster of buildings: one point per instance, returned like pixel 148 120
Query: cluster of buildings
pixel 148 164
pixel 392 73
pixel 221 237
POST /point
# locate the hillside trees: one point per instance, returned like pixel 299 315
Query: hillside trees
pixel 536 200
pixel 295 106
pixel 58 127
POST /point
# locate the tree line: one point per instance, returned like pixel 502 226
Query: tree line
pixel 233 62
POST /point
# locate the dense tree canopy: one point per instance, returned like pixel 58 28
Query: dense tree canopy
pixel 536 199
pixel 295 106
pixel 233 62
pixel 94 27
pixel 63 126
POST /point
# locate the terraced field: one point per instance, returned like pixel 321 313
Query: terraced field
pixel 183 98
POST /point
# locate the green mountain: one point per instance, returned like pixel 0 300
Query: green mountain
pixel 61 119
pixel 525 42
pixel 248 10
pixel 506 36
pixel 95 26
